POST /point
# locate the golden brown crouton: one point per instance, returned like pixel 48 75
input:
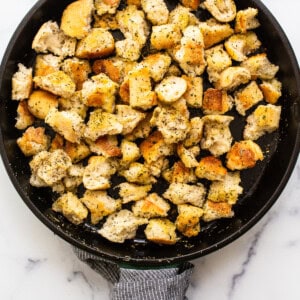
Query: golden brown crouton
pixel 121 226
pixel 246 20
pixel 106 146
pixel 21 83
pixel 33 141
pixel 180 16
pixel 133 192
pixel 137 3
pixel 223 11
pixel 41 102
pixel 106 21
pixel 192 4
pixel 179 173
pixel 243 155
pixel 161 231
pixel 71 207
pixel 156 11
pixel 99 204
pixel 130 152
pixel 247 97
pixel 106 6
pixel 77 152
pixel 265 119
pixel 57 142
pixel 24 117
pixel 138 173
pixel 98 43
pixel 76 18
pixel 128 49
pixel 216 101
pixel 188 220
pixel 194 92
pixel 210 168
pixel 46 64
pixel 216 210
pixel 271 90
pixel 142 130
pixel 151 207
pixel 194 135
pixel 187 156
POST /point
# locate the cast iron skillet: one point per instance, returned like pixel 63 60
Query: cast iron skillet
pixel 262 185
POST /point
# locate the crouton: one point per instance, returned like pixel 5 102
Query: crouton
pixel 216 102
pixel 33 141
pixel 216 136
pixel 41 102
pixel 77 152
pixel 151 207
pixel 156 168
pixel 260 67
pixel 121 226
pixel 46 64
pixel 246 20
pixel 142 130
pixel 161 231
pixel 130 152
pixel 182 193
pixel 77 69
pixel 137 3
pixel 57 142
pixel 71 207
pixel 106 6
pixel 21 83
pixel 179 173
pixel 211 168
pixel 239 46
pixel 192 4
pixel 214 32
pixel 232 77
pixel 128 49
pixel 67 123
pixel 187 156
pixel 243 155
pixel 194 135
pixel 106 21
pixel 247 97
pixel 156 11
pixel 50 38
pixel 132 192
pixel 98 43
pixel 99 204
pixel 24 117
pixel 74 178
pixel 76 18
pixel 102 123
pixel 271 90
pixel 188 220
pixel 265 119
pixel 216 210
pixel 223 11
pixel 226 190
pixel 165 36
pixel 194 91
pixel 106 146
pixel 100 91
pixel 57 83
pixel 180 16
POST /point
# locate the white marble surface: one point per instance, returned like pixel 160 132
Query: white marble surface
pixel 264 264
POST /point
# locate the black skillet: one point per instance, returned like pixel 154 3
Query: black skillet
pixel 262 185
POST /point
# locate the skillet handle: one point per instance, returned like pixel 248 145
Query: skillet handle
pixel 141 284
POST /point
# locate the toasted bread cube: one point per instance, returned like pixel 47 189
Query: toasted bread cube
pixel 128 49
pixel 161 231
pixel 100 91
pixel 76 18
pixel 187 156
pixel 46 64
pixel 232 77
pixel 195 133
pixel 194 91
pixel 77 69
pixel 217 136
pixel 102 123
pixel 246 20
pixel 141 94
pixel 151 207
pixel 188 220
pixel 216 102
pixel 74 178
pixel 217 61
pixel 180 16
pixel 130 152
pixel 138 173
pixel 71 207
pixel 77 152
pixel 132 192
pixel 50 38
pixel 24 117
pixel 21 83
pixel 216 210
pixel 211 168
pixel 106 146
pixel 223 11
pixel 41 102
pixel 214 32
pixel 99 204
pixel 121 226
pixel 57 142
pixel 57 83
pixel 106 6
pixel 243 155
pixel 265 119
pixel 142 130
pixel 33 141
pixel 98 43
pixel 226 190
pixel 67 123
pixel 260 67
pixel 137 3
pixel 179 173
pixel 156 11
pixel 158 167
pixel 247 97
pixel 165 36
pixel 239 46
pixel 106 21
pixel 271 90
pixel 182 193
pixel 192 4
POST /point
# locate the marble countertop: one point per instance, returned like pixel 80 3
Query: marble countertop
pixel 263 264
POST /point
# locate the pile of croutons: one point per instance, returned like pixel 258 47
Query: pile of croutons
pixel 110 109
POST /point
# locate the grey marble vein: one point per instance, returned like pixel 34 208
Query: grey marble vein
pixel 82 276
pixel 33 263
